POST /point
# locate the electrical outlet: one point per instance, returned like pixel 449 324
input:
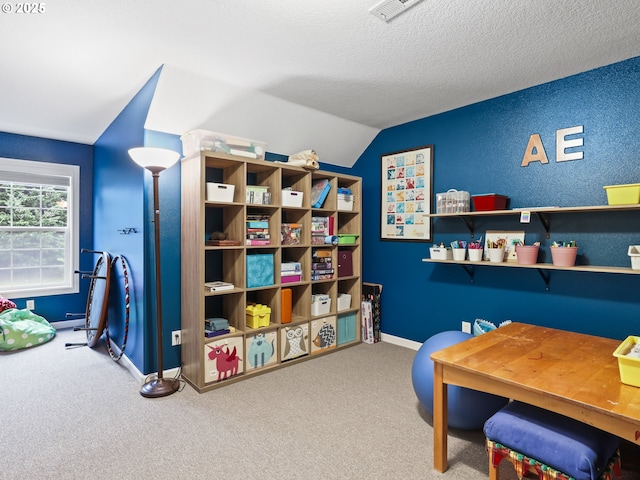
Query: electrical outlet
pixel 31 304
pixel 176 338
pixel 466 327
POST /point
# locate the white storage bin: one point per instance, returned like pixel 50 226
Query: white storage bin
pixel 634 255
pixel 220 192
pixel 453 201
pixel 441 253
pixel 320 305
pixel 345 202
pixel 344 301
pixel 196 140
pixel 291 198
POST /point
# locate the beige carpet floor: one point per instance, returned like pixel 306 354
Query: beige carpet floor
pixel 76 414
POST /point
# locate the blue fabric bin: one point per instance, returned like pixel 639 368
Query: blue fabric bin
pixel 259 270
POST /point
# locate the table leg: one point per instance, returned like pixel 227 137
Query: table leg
pixel 440 419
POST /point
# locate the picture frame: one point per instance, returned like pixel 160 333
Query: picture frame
pixel 406 194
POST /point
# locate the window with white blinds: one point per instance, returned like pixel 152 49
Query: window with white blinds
pixel 39 233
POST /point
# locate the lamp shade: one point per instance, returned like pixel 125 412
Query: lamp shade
pixel 153 157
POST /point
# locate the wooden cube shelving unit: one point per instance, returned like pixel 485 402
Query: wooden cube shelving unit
pixel 205 263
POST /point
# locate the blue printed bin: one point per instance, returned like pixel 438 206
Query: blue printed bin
pixel 260 270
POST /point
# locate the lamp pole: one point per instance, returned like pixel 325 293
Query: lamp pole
pixel 156 160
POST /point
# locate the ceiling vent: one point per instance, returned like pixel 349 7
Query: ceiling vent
pixel 387 9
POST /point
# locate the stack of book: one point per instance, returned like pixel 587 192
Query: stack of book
pixel 258 229
pixel 258 195
pixel 321 266
pixel 321 227
pixel 222 243
pixel 290 272
pixel 216 326
pixel 217 286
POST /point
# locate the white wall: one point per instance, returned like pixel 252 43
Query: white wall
pixel 185 101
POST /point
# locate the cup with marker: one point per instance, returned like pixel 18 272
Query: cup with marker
pixel 527 254
pixel 475 251
pixel 495 250
pixel 563 254
pixel 459 250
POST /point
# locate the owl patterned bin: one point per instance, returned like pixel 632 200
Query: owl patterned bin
pixel 294 341
pixel 323 334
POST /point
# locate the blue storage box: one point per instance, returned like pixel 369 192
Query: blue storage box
pixel 260 270
pixel 347 328
pixel 319 192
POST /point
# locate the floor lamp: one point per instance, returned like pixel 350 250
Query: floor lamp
pixel 156 160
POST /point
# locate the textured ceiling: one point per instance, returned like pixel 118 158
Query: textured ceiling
pixel 67 72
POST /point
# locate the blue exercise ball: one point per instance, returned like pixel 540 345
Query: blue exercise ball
pixel 468 409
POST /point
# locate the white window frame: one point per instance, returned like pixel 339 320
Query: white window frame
pixel 27 168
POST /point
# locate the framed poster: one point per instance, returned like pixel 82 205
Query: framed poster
pixel 407 184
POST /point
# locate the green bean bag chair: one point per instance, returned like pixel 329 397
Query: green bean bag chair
pixel 23 329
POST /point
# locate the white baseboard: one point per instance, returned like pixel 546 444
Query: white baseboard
pixel 139 376
pixel 402 342
pixel 77 322
pixel 124 360
pixel 132 369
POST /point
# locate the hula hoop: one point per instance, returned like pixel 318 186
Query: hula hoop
pixel 125 275
pixel 96 312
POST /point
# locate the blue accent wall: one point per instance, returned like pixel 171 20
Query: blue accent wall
pixel 124 199
pixel 55 308
pixel 479 148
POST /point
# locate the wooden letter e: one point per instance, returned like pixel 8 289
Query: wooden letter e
pixel 562 143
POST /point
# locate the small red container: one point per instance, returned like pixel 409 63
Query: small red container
pixel 489 201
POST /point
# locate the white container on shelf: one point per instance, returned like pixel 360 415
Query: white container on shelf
pixel 345 202
pixel 220 192
pixel 201 140
pixel 441 253
pixel 496 255
pixel 320 305
pixel 475 254
pixel 634 255
pixel 292 198
pixel 453 201
pixel 344 301
pixel 459 254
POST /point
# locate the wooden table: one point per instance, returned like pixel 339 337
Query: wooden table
pixel 566 372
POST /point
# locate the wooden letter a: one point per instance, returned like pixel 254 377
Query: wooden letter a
pixel 535 151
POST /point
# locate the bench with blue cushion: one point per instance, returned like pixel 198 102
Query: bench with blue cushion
pixel 552 445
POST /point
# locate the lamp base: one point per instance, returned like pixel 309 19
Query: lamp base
pixel 161 387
